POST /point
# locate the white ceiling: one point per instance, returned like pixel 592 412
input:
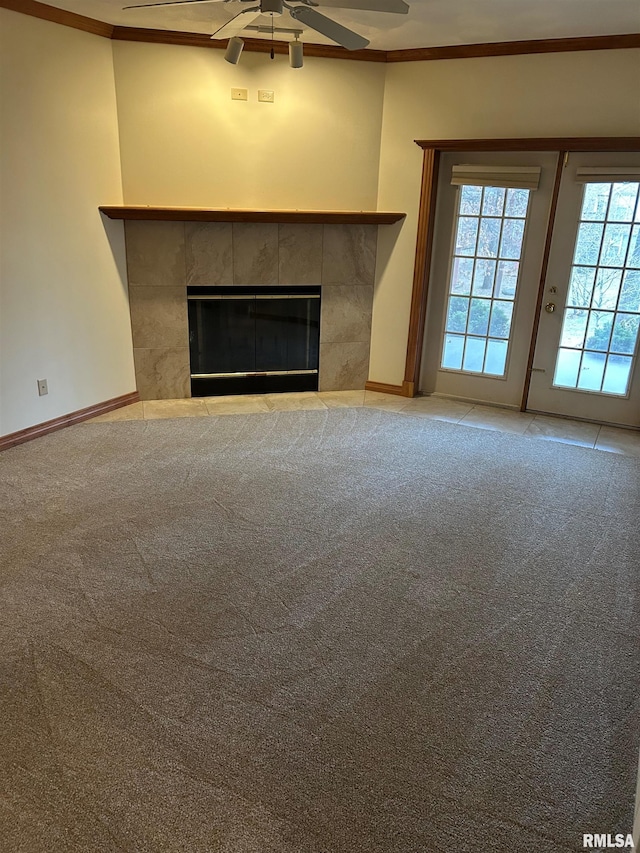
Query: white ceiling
pixel 429 23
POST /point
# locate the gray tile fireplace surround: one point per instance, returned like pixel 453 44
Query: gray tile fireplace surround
pixel 164 257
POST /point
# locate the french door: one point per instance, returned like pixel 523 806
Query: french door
pixel 586 353
pixel 491 230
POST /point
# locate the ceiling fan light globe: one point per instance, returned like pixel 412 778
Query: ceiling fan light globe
pixel 234 49
pixel 296 56
pixel 271 7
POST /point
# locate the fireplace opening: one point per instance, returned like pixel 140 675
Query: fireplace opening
pixel 248 340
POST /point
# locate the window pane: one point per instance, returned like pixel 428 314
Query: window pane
pixel 592 371
pixel 479 316
pixel 614 245
pixel 507 279
pixel 567 368
pixel 596 201
pixel 574 328
pixel 489 238
pixel 630 295
pixel 493 202
pixel 461 275
pixel 625 333
pixel 474 354
pixel 616 376
pixel 633 259
pixel 496 357
pixel 452 356
pixel 457 314
pixel 599 330
pixel 512 234
pixel 500 326
pixel 605 293
pixel 581 287
pixel 588 245
pixel 483 277
pixel 470 198
pixel 623 202
pixel 517 203
pixel 466 236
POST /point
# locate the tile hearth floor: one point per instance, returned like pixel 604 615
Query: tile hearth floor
pixel 542 427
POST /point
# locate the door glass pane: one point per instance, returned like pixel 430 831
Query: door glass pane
pixel 496 357
pixel 602 315
pixel 581 286
pixel 623 202
pixel 479 316
pixel 470 201
pixel 457 314
pixel 588 245
pixel 574 328
pixel 630 295
pixel 467 235
pixel 486 266
pixel 616 376
pixel 592 371
pixel 474 354
pixel 596 202
pixel 453 349
pixel 567 368
pixel 462 275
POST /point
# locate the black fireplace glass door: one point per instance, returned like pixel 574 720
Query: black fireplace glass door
pixel 287 333
pixel 222 335
pixel 242 341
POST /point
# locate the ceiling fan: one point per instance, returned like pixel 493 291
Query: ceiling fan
pixel 303 11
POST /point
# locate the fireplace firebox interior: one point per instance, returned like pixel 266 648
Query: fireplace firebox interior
pixel 247 340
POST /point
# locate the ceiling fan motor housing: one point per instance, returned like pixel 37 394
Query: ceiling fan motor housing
pixel 271 7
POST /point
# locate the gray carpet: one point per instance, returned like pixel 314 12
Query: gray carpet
pixel 345 631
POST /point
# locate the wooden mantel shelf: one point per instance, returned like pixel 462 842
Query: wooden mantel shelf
pixel 205 214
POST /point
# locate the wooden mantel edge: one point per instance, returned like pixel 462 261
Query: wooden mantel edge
pixel 203 214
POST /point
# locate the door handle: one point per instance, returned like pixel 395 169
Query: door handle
pixel 550 307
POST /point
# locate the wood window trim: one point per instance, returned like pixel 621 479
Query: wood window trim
pixel 426 220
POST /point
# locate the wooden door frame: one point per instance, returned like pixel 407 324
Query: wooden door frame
pixel 426 223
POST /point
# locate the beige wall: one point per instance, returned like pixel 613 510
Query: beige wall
pixel 339 135
pixel 564 94
pixel 185 142
pixel 63 301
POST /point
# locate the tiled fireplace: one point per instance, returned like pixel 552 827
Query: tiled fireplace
pixel 163 258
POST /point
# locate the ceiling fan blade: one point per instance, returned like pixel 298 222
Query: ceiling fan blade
pixel 169 3
pixel 332 30
pixel 237 24
pixel 397 6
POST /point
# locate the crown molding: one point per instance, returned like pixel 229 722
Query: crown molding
pixel 463 51
pixel 515 48
pixel 58 16
pixel 254 45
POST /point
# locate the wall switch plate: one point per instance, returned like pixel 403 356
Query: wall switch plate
pixel 43 388
pixel 239 94
pixel 266 96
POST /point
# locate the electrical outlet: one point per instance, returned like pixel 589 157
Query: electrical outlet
pixel 239 94
pixel 43 388
pixel 266 96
